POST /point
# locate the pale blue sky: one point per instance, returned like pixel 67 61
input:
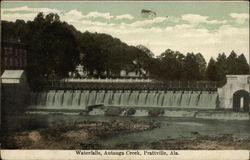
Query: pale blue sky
pixel 206 27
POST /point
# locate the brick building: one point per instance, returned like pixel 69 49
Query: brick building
pixel 13 56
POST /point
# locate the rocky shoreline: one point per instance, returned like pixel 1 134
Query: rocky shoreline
pixel 80 135
pixel 88 134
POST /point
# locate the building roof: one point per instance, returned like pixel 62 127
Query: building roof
pixel 7 74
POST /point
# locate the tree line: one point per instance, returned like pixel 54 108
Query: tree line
pixel 55 48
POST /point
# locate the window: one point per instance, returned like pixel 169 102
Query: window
pixel 11 51
pixel 20 61
pixel 10 61
pixel 16 62
pixel 16 52
pixel 5 50
pixel 6 61
pixel 25 62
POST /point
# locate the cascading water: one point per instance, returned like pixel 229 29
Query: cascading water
pixel 133 98
pixel 194 99
pixel 108 98
pixel 81 99
pixel 177 98
pixel 76 98
pixel 160 98
pixel 168 99
pixel 142 98
pixel 125 98
pixel 185 99
pixel 151 98
pixel 100 97
pixel 116 99
pixel 92 98
pixel 67 98
pixel 84 99
pixel 58 98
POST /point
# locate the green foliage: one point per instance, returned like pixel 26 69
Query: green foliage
pixel 171 65
pixel 242 65
pixel 55 48
pixel 212 71
pixel 221 65
pixel 232 63
pixel 192 70
pixel 103 53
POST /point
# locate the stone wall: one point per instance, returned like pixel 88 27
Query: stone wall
pixel 234 84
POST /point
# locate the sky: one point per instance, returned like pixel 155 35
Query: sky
pixel 208 28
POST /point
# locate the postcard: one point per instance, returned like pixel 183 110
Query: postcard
pixel 165 80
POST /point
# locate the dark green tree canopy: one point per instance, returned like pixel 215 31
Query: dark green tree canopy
pixel 212 71
pixel 56 48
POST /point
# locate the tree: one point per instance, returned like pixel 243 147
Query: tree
pixel 191 67
pixel 232 63
pixel 221 64
pixel 53 51
pixel 202 64
pixel 171 65
pixel 242 65
pixel 212 72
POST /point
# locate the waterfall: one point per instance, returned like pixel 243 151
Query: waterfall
pixel 133 98
pixel 91 98
pixel 185 99
pixel 125 98
pixel 213 99
pixel 58 98
pixel 151 99
pixel 116 98
pixel 76 98
pixel 50 98
pixel 67 98
pixel 204 100
pixel 177 99
pixel 160 98
pixel 108 98
pixel 168 99
pixel 142 98
pixel 83 98
pixel 42 97
pixel 194 99
pixel 100 97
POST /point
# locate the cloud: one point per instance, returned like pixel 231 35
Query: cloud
pixel 98 14
pixel 125 16
pixel 26 8
pixel 178 36
pixel 148 22
pixel 72 16
pixel 184 38
pixel 197 19
pixel 240 18
pixel 11 14
pixel 13 17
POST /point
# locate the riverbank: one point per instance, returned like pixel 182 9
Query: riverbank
pixel 198 142
pixel 80 135
pixel 92 135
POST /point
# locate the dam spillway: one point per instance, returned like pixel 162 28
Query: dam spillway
pixel 81 99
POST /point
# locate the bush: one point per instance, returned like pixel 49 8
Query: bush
pixel 155 112
pixel 113 111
